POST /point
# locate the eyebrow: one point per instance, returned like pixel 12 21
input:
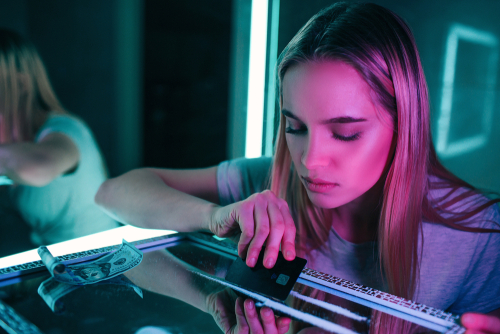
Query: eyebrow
pixel 341 119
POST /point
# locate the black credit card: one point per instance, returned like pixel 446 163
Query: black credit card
pixel 276 282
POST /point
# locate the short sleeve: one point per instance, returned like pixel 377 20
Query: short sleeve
pixel 239 178
pixel 68 125
pixel 481 291
pixel 460 271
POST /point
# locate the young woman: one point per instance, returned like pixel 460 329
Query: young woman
pixel 51 156
pixel 355 186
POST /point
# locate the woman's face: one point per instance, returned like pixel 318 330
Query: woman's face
pixel 338 141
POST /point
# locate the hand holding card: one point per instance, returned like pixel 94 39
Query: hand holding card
pixel 276 282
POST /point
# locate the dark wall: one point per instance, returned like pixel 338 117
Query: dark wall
pixel 186 73
pixel 430 22
pixel 77 43
pixel 186 50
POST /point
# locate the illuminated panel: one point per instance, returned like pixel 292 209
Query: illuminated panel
pixel 256 79
pixel 444 145
pixel 271 91
pixel 97 240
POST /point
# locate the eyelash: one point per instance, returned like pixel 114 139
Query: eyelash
pixel 301 131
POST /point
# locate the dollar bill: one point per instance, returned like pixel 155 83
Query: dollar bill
pixel 54 266
pixel 106 267
pixel 52 291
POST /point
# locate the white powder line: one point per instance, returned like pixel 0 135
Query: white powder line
pixel 311 319
pixel 330 307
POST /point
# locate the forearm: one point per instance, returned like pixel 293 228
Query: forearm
pixel 141 198
pixel 37 164
pixel 161 272
pixel 24 164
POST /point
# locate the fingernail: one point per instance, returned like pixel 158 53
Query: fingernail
pixel 252 261
pixel 266 311
pixel 289 254
pixel 270 262
pixel 466 318
pixel 250 306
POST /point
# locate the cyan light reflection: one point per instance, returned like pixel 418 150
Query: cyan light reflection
pixel 444 147
pixel 271 91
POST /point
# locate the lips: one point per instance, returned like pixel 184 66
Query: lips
pixel 318 185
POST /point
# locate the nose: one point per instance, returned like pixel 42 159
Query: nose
pixel 314 155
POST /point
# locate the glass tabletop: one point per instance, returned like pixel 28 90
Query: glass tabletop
pixel 179 287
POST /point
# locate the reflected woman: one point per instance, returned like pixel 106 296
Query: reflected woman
pixel 355 185
pixel 50 155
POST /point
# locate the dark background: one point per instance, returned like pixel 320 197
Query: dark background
pixel 152 78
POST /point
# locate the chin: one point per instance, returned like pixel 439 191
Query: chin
pixel 325 201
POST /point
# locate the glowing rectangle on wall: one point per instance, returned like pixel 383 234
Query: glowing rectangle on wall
pixel 444 146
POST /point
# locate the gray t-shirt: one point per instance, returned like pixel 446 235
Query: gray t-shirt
pixel 65 209
pixel 459 272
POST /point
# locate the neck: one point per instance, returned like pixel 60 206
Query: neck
pixel 357 221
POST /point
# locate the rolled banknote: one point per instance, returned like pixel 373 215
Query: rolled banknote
pixel 54 266
pixel 52 291
pixel 106 267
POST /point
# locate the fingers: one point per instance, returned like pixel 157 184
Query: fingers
pixel 241 322
pixel 247 227
pixel 288 243
pixel 262 229
pixel 268 320
pixel 475 322
pixel 265 219
pixel 277 229
pixel 266 323
pixel 283 324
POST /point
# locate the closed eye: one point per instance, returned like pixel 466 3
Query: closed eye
pixel 347 138
pixel 303 130
pixel 298 131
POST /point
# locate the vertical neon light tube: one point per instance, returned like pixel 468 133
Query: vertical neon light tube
pixel 271 91
pixel 256 79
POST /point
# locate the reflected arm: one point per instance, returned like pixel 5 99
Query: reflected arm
pixel 163 273
pixel 181 200
pixel 37 164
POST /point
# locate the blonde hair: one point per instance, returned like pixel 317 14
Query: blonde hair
pixel 27 95
pixel 381 47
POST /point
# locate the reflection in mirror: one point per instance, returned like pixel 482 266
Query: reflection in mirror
pixel 179 288
pixel 50 156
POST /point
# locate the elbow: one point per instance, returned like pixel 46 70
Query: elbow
pixel 103 199
pixel 101 196
pixel 35 175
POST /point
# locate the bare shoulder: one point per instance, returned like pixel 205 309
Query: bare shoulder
pixel 200 182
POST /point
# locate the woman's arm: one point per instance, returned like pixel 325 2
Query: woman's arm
pixel 181 200
pixel 37 164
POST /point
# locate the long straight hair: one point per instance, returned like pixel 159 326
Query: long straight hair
pixel 26 93
pixel 381 47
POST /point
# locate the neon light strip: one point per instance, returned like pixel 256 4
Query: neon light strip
pixel 330 307
pixel 256 79
pixel 311 319
pixel 271 91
